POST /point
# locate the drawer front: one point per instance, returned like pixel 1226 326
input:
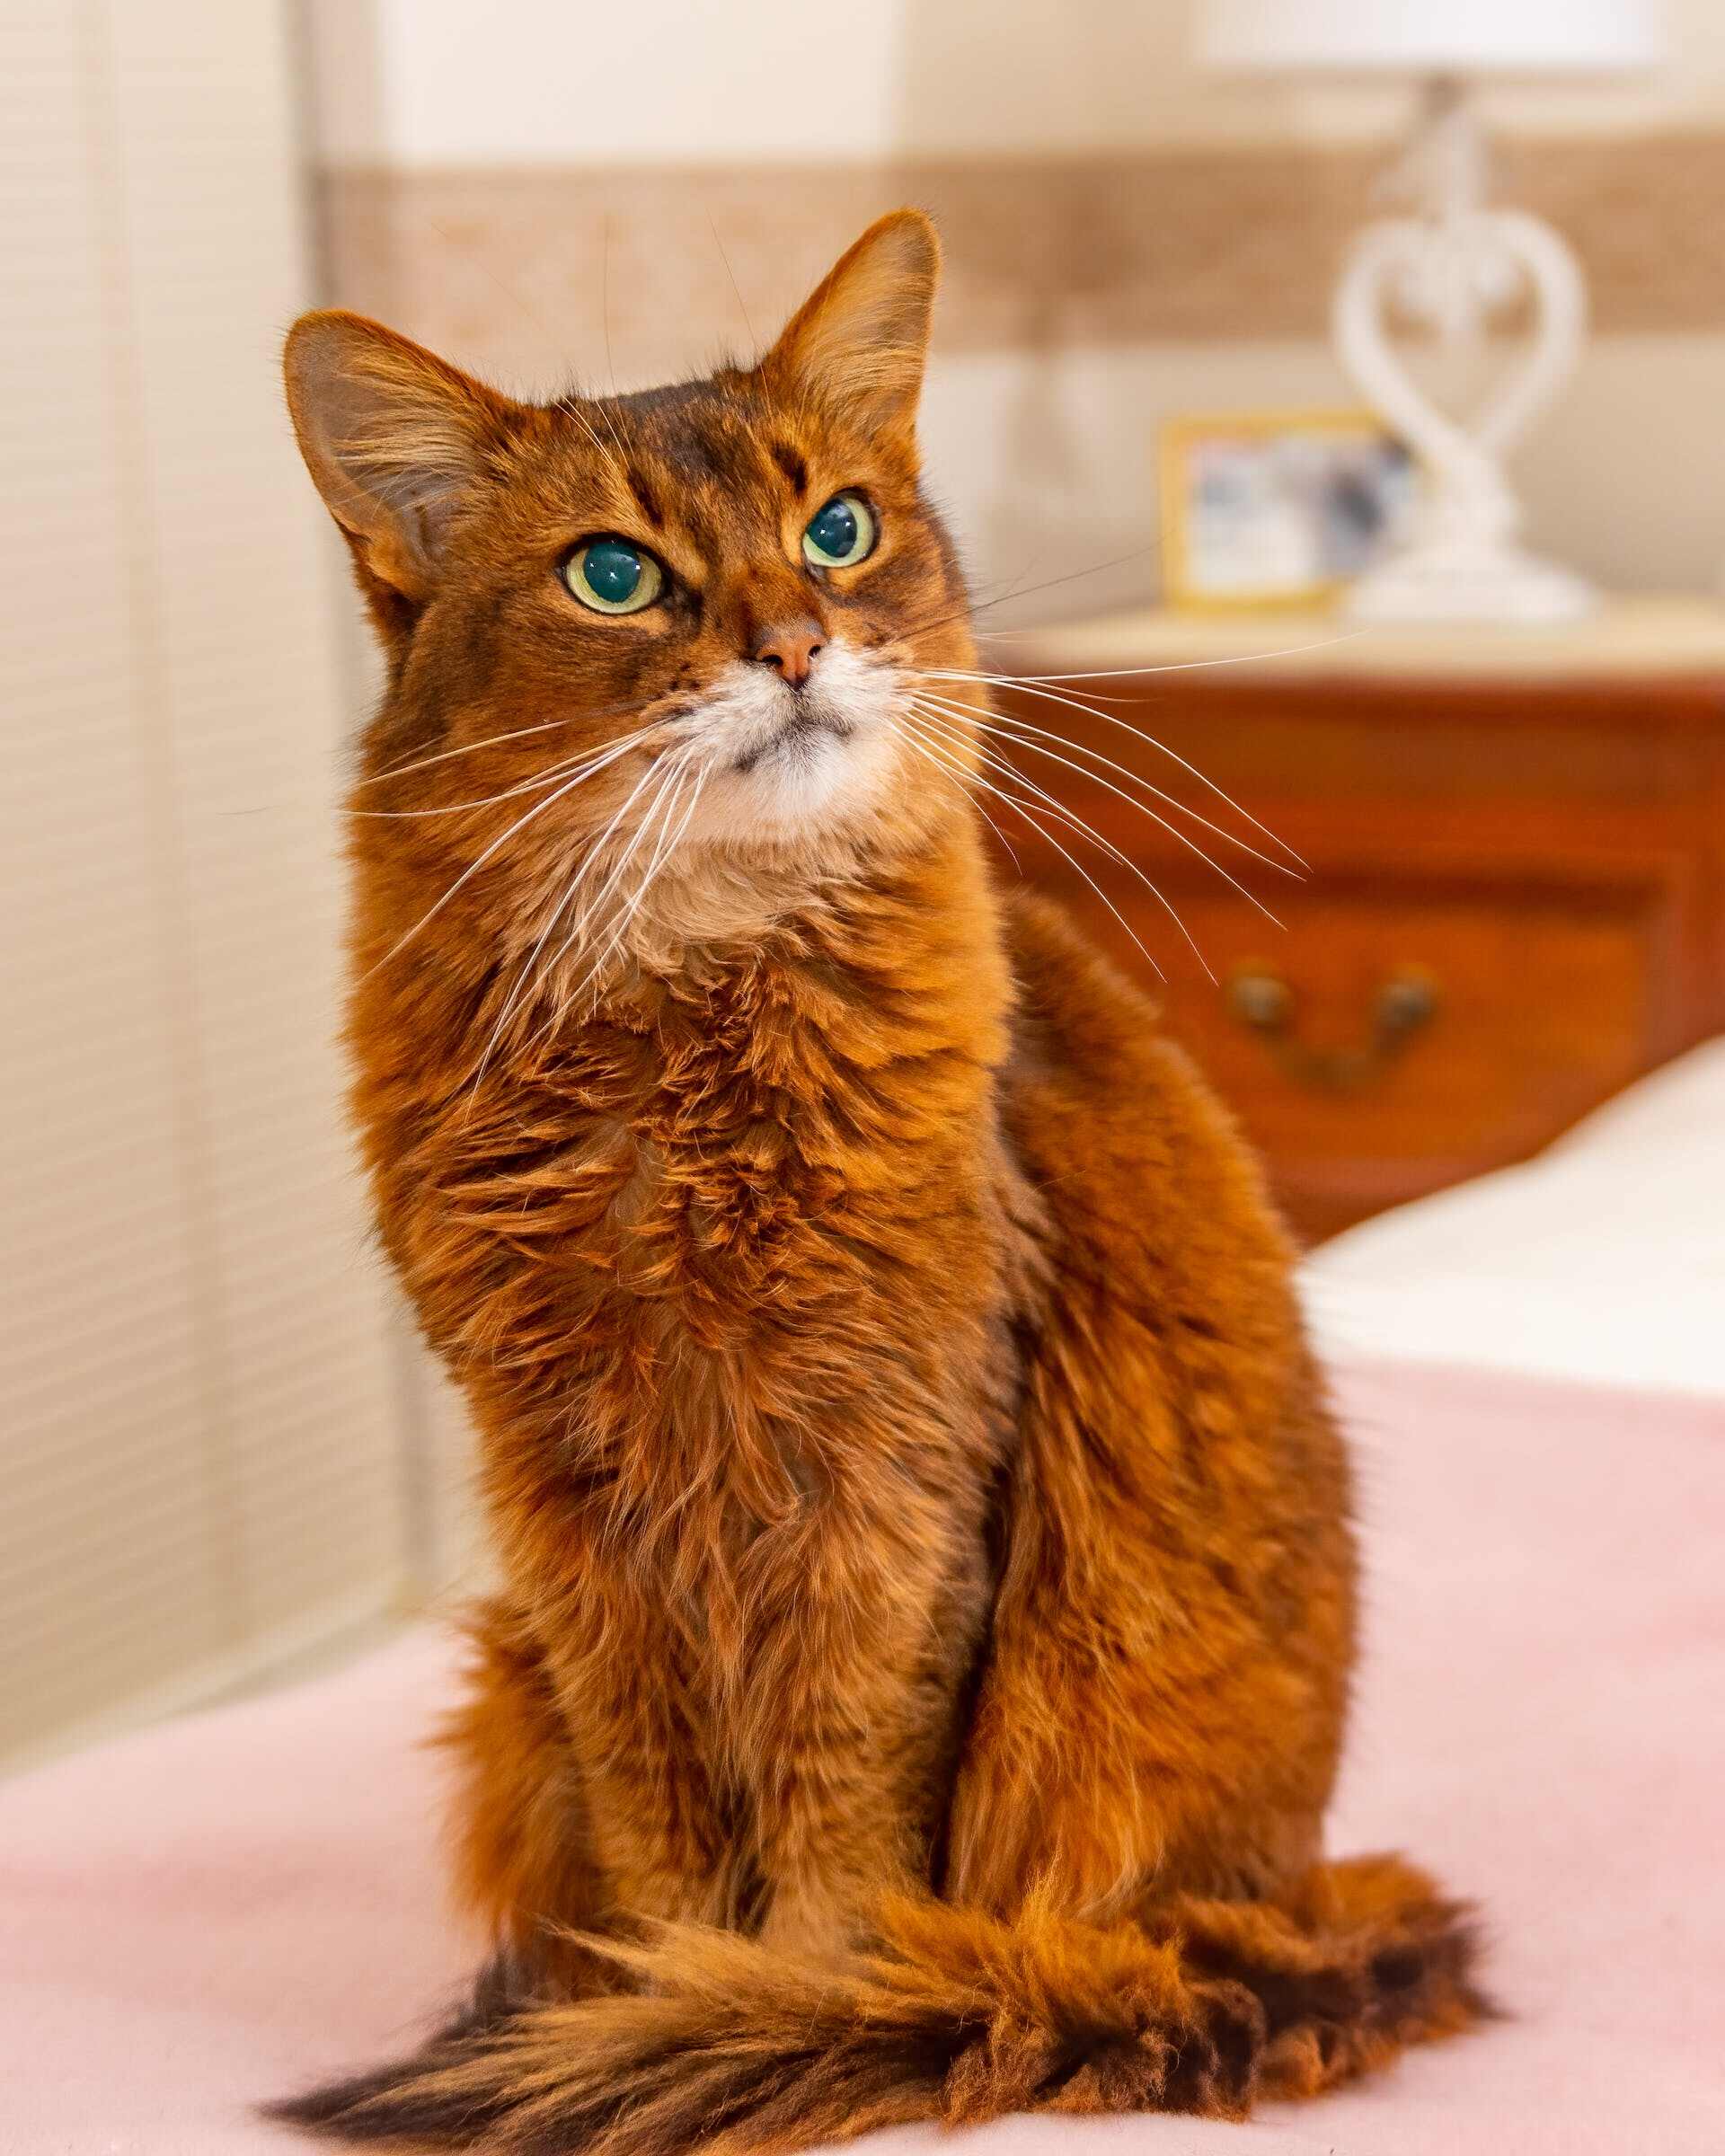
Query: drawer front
pixel 1389 1040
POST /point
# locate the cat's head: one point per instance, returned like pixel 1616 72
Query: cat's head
pixel 692 617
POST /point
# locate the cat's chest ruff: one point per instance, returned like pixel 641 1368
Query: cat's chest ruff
pixel 726 1189
pixel 760 1288
pixel 732 1137
pixel 783 1175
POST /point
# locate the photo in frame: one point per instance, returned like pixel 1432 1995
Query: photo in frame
pixel 1278 509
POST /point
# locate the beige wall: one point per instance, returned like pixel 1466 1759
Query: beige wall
pixel 1045 460
pixel 1039 452
pixel 442 82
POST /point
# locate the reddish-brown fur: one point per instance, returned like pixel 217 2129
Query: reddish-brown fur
pixel 928 1595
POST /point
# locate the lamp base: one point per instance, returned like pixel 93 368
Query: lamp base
pixel 1479 580
pixel 1448 270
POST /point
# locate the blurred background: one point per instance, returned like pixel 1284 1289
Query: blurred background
pixel 223 1458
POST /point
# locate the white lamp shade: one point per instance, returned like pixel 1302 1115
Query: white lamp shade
pixel 1433 37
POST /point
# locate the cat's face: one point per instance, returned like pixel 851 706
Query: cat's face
pixel 626 627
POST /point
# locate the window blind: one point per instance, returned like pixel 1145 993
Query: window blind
pixel 203 1435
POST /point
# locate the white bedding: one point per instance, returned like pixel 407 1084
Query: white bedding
pixel 1602 1258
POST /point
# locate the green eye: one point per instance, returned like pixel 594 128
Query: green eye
pixel 612 576
pixel 842 533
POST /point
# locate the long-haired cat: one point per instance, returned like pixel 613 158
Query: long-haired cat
pixel 928 1599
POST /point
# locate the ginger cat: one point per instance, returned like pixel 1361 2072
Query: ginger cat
pixel 929 1589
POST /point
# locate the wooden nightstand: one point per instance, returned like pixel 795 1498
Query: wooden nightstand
pixel 1515 902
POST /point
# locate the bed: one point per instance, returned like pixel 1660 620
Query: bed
pixel 1533 1369
pixel 1601 1262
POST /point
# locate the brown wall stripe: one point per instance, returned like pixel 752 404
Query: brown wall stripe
pixel 517 270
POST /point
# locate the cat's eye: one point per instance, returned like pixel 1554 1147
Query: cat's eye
pixel 613 576
pixel 840 533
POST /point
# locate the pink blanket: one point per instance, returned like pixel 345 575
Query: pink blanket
pixel 218 1910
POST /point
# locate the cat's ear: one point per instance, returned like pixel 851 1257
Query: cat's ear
pixel 861 337
pixel 392 436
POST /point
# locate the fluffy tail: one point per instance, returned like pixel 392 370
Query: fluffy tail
pixel 1201 2007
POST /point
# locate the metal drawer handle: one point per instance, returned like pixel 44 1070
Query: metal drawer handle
pixel 1262 1000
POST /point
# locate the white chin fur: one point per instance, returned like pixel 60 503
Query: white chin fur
pixel 783 764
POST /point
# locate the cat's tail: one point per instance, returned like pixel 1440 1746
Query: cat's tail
pixel 724 2046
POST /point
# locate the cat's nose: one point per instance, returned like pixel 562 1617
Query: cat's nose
pixel 790 647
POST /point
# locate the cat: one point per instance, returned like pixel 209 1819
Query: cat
pixel 928 1590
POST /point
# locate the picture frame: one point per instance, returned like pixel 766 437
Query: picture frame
pixel 1278 509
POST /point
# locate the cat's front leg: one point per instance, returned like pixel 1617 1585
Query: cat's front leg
pixel 852 1737
pixel 525 1859
pixel 663 1835
pixel 834 1836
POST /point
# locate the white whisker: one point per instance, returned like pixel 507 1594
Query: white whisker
pixel 475 866
pixel 1046 802
pixel 571 407
pixel 1010 722
pixel 1034 687
pixel 468 749
pixel 1188 666
pixel 548 777
pixel 1173 830
pixel 967 780
pixel 670 777
pixel 1049 805
pixel 1019 808
pixel 1027 734
pixel 526 971
pixel 669 841
pixel 635 709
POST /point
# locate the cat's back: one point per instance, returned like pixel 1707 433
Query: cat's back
pixel 1149 1189
pixel 1092 1064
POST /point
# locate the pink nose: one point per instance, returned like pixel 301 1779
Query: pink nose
pixel 791 647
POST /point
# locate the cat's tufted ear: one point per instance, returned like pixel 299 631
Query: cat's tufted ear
pixel 861 337
pixel 394 437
